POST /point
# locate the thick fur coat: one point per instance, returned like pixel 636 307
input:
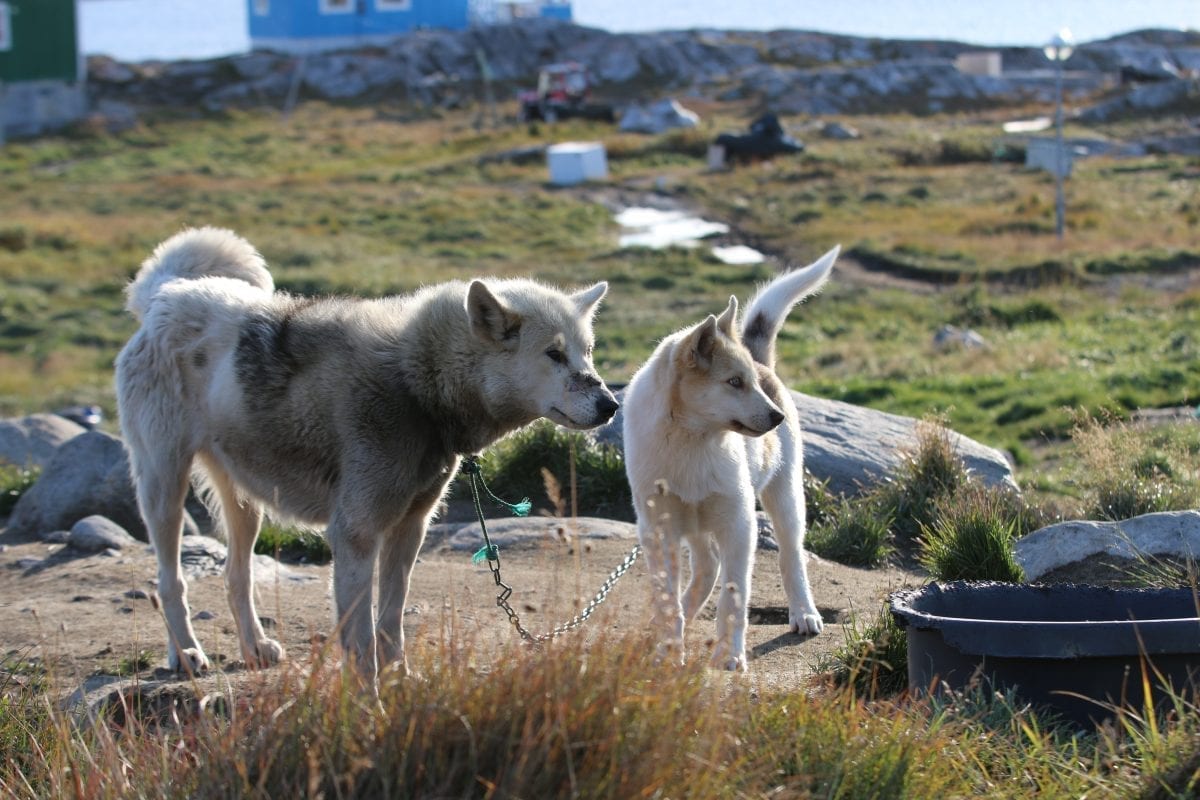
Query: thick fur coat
pixel 708 427
pixel 348 413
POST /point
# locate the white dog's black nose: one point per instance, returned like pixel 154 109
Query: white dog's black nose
pixel 775 418
pixel 605 408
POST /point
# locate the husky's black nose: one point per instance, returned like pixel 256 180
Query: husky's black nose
pixel 775 417
pixel 605 408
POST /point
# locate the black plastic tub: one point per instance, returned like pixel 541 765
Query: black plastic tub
pixel 1077 649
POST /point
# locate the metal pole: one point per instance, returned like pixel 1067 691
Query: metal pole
pixel 1060 156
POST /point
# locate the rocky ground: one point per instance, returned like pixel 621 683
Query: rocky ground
pixel 87 615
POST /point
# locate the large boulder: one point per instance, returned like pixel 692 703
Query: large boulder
pixel 1167 533
pixel 87 475
pixel 32 441
pixel 853 447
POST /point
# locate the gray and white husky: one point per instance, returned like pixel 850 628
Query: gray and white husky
pixel 708 426
pixel 351 413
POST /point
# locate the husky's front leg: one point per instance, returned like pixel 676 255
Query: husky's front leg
pixel 731 520
pixel 398 556
pixel 355 549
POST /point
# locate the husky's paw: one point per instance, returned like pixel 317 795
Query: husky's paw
pixel 190 661
pixel 266 653
pixel 807 624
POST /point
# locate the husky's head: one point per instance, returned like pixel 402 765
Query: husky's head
pixel 542 340
pixel 718 386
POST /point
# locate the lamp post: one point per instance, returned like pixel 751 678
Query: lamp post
pixel 1058 50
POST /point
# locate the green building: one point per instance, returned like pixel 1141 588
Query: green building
pixel 41 71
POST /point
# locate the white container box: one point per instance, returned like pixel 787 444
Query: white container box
pixel 575 162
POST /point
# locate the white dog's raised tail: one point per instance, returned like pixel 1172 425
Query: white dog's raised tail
pixel 770 306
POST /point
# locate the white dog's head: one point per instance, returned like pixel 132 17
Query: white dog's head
pixel 542 342
pixel 719 386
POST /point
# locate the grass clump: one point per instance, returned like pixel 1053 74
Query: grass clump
pixel 855 533
pixel 873 662
pixel 593 474
pixel 971 539
pixel 932 472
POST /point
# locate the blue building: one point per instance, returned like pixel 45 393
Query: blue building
pixel 304 26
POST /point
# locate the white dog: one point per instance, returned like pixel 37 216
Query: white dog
pixel 346 412
pixel 708 426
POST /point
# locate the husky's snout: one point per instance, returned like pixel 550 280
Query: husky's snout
pixel 606 406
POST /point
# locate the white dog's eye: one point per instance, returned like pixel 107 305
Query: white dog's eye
pixel 557 356
pixel 735 382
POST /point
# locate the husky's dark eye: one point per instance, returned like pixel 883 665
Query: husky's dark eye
pixel 735 382
pixel 556 355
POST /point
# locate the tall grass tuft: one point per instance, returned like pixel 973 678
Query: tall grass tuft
pixel 874 660
pixel 857 532
pixel 971 539
pixel 930 473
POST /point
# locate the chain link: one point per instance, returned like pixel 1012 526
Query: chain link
pixel 472 471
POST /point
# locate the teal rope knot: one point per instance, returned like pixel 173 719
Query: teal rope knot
pixel 472 469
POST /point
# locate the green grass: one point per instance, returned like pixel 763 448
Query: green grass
pixel 561 472
pixel 14 481
pixel 349 200
pixel 292 544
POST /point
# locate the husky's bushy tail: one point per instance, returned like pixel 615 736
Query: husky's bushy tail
pixel 196 253
pixel 769 308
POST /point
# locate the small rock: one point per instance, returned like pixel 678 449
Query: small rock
pixel 949 336
pixel 57 537
pixel 28 563
pixel 81 598
pixel 204 616
pixel 95 533
pixel 840 131
pixel 137 594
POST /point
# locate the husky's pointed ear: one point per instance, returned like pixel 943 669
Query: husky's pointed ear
pixel 703 342
pixel 490 319
pixel 728 317
pixel 587 300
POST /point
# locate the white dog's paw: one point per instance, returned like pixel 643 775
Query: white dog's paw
pixel 807 624
pixel 191 661
pixel 267 653
pixel 729 663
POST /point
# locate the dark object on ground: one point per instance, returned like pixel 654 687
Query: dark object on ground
pixel 564 90
pixel 765 140
pixel 1077 650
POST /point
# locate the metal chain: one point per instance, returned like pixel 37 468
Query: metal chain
pixel 472 470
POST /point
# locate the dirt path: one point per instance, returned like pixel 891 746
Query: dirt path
pixel 86 614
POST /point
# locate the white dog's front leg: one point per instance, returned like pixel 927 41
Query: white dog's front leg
pixel 783 500
pixel 659 531
pixel 731 521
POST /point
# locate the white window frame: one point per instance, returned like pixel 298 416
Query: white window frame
pixel 6 36
pixel 262 8
pixel 393 5
pixel 331 6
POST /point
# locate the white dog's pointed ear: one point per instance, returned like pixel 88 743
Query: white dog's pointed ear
pixel 728 317
pixel 704 341
pixel 587 300
pixel 490 319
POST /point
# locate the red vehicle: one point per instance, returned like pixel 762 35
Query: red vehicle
pixel 564 90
